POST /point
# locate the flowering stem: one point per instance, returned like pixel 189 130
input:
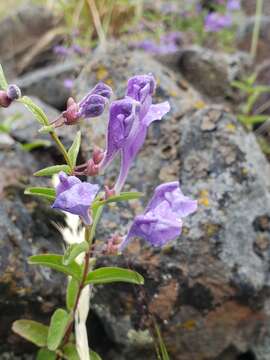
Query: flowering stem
pixel 61 148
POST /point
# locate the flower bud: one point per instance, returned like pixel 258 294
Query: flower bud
pixel 5 101
pixel 92 169
pixel 71 114
pixel 98 155
pixel 14 92
pixel 93 106
pixel 109 192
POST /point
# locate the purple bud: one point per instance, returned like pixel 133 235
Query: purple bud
pixel 13 92
pixel 161 221
pixel 93 106
pixel 75 196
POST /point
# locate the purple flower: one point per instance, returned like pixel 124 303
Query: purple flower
pixel 161 221
pixel 122 118
pixel 233 5
pixel 68 83
pixel 75 196
pixel 215 22
pixel 77 49
pixel 92 105
pixel 169 43
pixel 149 46
pixel 61 50
pixel 128 123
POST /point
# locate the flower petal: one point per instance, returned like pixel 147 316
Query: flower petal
pixel 156 112
pixel 123 114
pixel 77 199
pixel 141 86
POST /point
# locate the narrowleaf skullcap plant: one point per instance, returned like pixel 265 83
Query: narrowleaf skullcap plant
pixel 161 222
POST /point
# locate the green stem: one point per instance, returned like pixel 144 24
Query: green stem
pixel 256 29
pixel 61 148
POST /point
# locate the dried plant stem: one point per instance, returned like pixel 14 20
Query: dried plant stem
pixel 97 22
pixel 256 29
pixel 89 239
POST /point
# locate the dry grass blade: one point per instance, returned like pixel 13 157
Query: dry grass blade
pixel 97 22
pixel 44 43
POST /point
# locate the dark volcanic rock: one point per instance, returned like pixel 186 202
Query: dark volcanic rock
pixel 211 72
pixel 22 30
pixel 210 288
pixel 25 229
pixel 48 83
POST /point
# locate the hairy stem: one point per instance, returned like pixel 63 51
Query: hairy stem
pixel 61 148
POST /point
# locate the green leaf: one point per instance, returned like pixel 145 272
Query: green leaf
pixel 32 331
pixel 252 119
pixel 45 354
pixel 35 144
pixel 97 212
pixel 35 110
pixel 51 170
pixel 55 262
pixel 242 86
pixel 113 274
pixel 163 353
pixel 48 193
pixel 94 355
pixel 73 251
pixel 3 81
pixel 74 149
pixel 71 294
pixel 124 196
pixel 46 129
pixel 251 79
pixel 58 324
pixel 70 352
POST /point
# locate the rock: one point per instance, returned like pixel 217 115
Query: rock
pixel 48 83
pixel 212 73
pixel 23 128
pixel 22 30
pixel 209 289
pixel 244 37
pixel 25 229
pixel 6 141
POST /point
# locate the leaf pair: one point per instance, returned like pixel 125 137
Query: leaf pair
pixel 49 338
pixel 102 275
